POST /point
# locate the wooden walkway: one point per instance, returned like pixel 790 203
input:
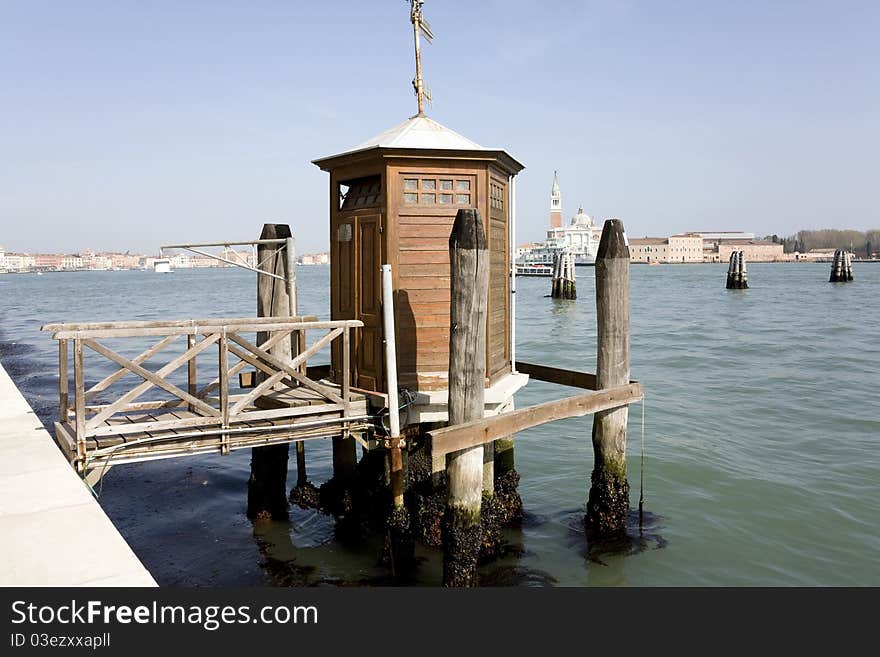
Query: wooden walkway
pixel 250 398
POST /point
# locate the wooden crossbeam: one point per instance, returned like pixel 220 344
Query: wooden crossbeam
pixel 243 403
pixel 150 379
pixel 122 371
pixel 479 432
pixel 291 366
pixel 241 364
pixel 586 380
pixel 304 380
pixel 314 372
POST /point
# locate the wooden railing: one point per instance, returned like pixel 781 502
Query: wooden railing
pixel 210 408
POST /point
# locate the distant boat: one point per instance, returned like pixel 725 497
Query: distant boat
pixel 39 273
pixel 534 270
pixel 162 266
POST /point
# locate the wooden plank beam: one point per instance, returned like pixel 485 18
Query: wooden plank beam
pixel 479 432
pixel 226 321
pixel 279 324
pixel 573 378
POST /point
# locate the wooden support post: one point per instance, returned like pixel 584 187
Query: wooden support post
pixel 267 486
pixel 503 456
pixel 489 468
pixel 223 370
pixel 469 265
pixel 79 395
pixel 63 382
pixel 192 387
pixel 743 273
pixel 608 502
pixel 301 475
pixel 344 446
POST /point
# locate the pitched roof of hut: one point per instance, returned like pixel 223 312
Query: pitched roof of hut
pixel 420 132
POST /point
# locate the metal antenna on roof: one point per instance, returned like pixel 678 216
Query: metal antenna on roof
pixel 420 25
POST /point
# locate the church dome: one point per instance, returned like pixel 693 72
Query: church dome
pixel 582 219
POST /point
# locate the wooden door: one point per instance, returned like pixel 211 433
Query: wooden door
pixel 368 344
pixel 356 293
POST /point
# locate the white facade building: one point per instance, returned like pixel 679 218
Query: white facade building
pixel 580 237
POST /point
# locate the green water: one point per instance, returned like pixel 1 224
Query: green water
pixel 761 430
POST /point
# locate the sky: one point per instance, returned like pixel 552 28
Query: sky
pixel 126 125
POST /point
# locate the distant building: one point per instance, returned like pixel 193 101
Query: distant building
pixel 71 262
pixel 719 250
pixel 816 255
pixel 18 262
pixel 314 259
pixel 47 261
pixel 686 247
pixel 527 248
pixel 724 235
pixel 580 237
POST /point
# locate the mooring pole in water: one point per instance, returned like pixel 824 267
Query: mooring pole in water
pixel 563 286
pixel 841 267
pixel 267 486
pixel 608 502
pixel 571 279
pixel 737 275
pixel 469 272
pixel 731 272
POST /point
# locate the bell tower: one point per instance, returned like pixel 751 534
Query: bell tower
pixel 555 204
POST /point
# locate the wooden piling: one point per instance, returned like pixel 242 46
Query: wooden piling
pixel 555 292
pixel 301 475
pixel 469 264
pixel 608 503
pixel 737 275
pixel 841 267
pixel 267 486
pixel 563 285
